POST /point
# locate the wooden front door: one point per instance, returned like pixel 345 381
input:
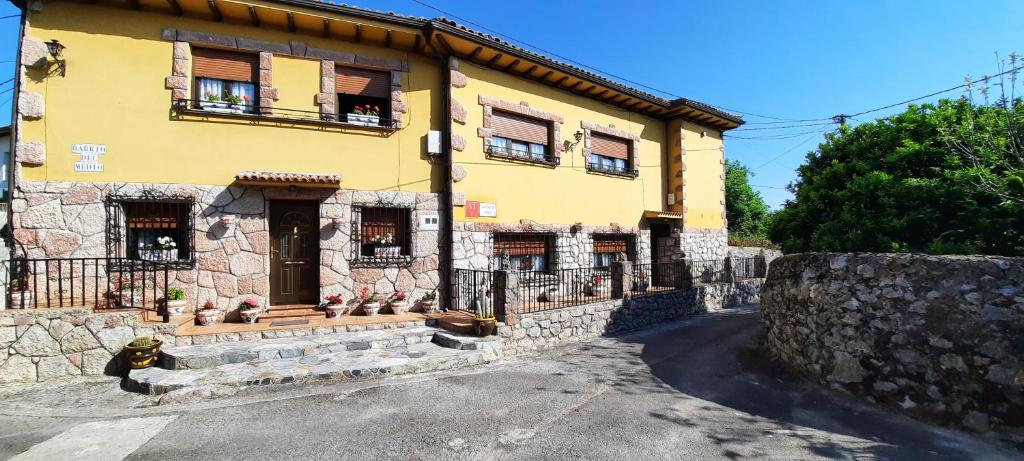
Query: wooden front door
pixel 294 252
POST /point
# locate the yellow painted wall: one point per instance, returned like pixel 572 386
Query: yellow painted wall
pixel 703 175
pixel 568 193
pixel 114 94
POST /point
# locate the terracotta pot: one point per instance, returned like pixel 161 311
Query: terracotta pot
pixel 176 307
pixel 250 315
pixel 208 316
pixel 484 327
pixel 371 308
pixel 428 305
pixel 399 307
pixel 21 300
pixel 143 356
pixel 334 310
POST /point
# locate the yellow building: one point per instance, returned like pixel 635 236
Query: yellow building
pixel 288 150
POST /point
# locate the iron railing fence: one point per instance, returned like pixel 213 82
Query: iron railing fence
pixel 473 291
pixel 99 283
pixel 749 268
pixel 706 272
pixel 555 289
pixel 279 114
pixel 655 277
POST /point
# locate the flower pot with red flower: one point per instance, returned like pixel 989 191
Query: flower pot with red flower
pixel 399 302
pixel 370 301
pixel 249 310
pixel 364 115
pixel 597 286
pixel 335 306
pixel 208 315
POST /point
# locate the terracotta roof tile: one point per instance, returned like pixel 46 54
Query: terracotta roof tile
pixel 288 178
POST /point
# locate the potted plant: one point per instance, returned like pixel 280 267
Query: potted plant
pixel 429 301
pixel 208 315
pixel 142 352
pixel 335 306
pixel 235 103
pixel 369 300
pixel 596 286
pixel 123 293
pixel 175 302
pixel 365 115
pixel 21 296
pixel 384 246
pixel 399 303
pixel 212 103
pixel 249 310
pixel 484 321
pixel 163 250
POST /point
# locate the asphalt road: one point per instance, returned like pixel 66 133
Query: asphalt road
pixel 698 389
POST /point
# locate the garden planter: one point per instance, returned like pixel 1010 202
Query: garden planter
pixel 250 315
pixel 221 107
pixel 143 356
pixel 389 251
pixel 208 316
pixel 371 308
pixel 334 310
pixel 159 255
pixel 484 326
pixel 399 307
pixel 362 120
pixel 428 306
pixel 176 307
pixel 21 299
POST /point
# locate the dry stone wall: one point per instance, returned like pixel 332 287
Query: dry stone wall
pixel 938 336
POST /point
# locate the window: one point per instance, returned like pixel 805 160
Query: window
pixel 364 96
pixel 225 81
pixel 157 230
pixel 519 137
pixel 383 232
pixel 527 252
pixel 610 155
pixel 607 248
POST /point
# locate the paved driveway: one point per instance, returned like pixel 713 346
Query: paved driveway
pixel 698 389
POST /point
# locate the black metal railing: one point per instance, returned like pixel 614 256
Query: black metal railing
pixel 656 277
pixel 749 268
pixel 473 291
pixel 612 170
pixel 706 272
pixel 544 290
pixel 100 283
pixel 509 153
pixel 279 114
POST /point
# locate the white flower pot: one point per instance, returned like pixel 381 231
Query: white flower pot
pixel 159 255
pixel 399 307
pixel 250 315
pixel 428 305
pixel 387 251
pixel 176 307
pixel 208 316
pixel 335 310
pixel 371 308
pixel 21 300
pixel 362 120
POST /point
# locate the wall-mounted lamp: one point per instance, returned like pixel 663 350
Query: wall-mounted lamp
pixel 569 146
pixel 56 50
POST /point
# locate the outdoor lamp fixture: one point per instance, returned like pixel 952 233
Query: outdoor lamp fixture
pixel 56 49
pixel 578 136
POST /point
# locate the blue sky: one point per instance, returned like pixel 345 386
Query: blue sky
pixel 782 59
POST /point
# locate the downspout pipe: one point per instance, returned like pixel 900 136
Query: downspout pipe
pixel 445 243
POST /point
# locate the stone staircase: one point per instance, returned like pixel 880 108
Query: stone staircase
pixel 298 359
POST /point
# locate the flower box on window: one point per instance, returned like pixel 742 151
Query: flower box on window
pixel 223 107
pixel 159 255
pixel 387 251
pixel 363 120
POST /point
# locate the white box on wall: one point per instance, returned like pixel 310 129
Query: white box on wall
pixel 434 142
pixel 670 199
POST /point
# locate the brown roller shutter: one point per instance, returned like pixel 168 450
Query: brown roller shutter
pixel 609 146
pixel 611 244
pixel 520 244
pixel 225 65
pixel 520 128
pixel 362 82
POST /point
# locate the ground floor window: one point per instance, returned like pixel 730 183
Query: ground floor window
pixel 154 230
pixel 383 232
pixel 526 252
pixel 608 247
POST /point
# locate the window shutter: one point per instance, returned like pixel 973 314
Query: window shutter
pixel 520 128
pixel 611 244
pixel 362 82
pixel 520 244
pixel 609 146
pixel 224 65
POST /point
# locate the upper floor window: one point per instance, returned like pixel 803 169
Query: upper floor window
pixel 608 247
pixel 519 137
pixel 526 252
pixel 364 96
pixel 609 154
pixel 383 232
pixel 225 81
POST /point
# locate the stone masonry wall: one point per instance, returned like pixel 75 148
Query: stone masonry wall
pixel 704 244
pixel 473 249
pixel 57 220
pixel 541 330
pixel 937 336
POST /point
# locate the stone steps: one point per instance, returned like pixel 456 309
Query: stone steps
pixel 217 354
pixel 343 365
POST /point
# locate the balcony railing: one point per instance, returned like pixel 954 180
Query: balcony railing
pixel 612 170
pixel 508 153
pixel 279 115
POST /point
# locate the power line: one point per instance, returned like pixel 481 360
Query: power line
pixel 11 16
pixel 791 149
pixel 7 81
pixel 776 137
pixel 741 130
pixel 768 187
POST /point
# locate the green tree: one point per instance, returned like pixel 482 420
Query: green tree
pixel 896 185
pixel 744 207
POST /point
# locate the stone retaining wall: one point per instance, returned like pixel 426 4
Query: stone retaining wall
pixel 937 336
pixel 45 344
pixel 541 330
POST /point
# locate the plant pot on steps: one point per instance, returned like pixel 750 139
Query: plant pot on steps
pixel 250 315
pixel 208 316
pixel 399 307
pixel 371 308
pixel 176 307
pixel 21 299
pixel 334 311
pixel 484 326
pixel 143 356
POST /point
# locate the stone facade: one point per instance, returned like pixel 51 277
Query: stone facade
pixel 936 336
pixel 540 330
pixel 58 220
pixel 46 344
pixel 704 244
